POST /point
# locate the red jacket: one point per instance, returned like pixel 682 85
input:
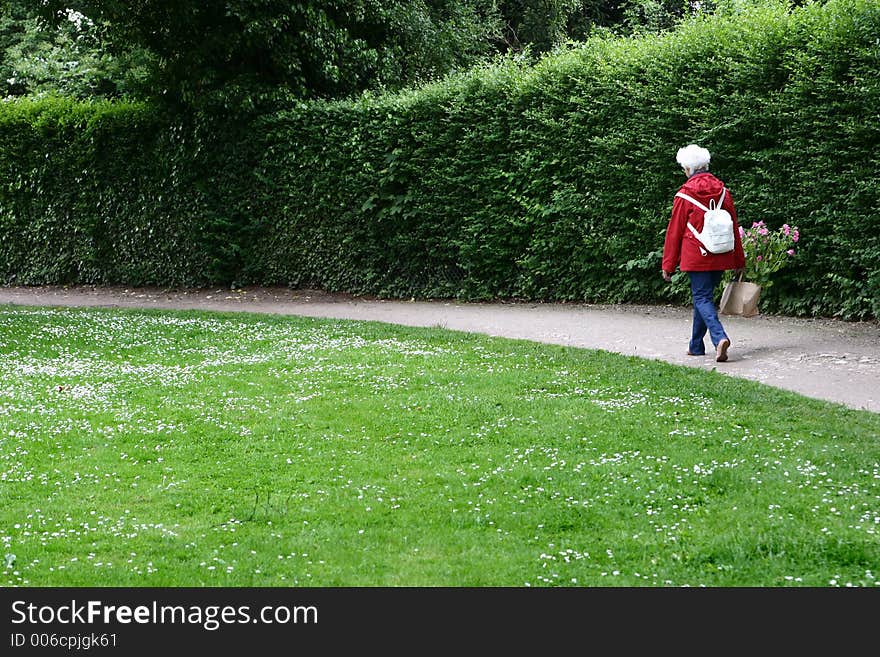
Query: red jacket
pixel 681 249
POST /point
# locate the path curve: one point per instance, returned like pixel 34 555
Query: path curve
pixel 827 359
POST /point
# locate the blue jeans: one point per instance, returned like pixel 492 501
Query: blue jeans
pixel 703 284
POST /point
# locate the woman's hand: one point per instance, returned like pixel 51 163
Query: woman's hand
pixel 667 276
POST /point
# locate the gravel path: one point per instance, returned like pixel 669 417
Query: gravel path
pixel 827 359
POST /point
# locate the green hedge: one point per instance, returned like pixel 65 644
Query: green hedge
pixel 555 182
pixel 117 193
pixel 551 182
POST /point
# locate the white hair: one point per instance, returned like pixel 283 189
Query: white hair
pixel 693 157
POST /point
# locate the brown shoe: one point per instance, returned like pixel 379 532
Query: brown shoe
pixel 721 350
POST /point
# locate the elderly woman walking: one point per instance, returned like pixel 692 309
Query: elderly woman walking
pixel 683 249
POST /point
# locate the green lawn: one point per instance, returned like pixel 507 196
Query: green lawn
pixel 146 448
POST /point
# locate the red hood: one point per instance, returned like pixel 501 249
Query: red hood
pixel 703 187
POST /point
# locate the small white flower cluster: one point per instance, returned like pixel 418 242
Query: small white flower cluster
pixel 77 19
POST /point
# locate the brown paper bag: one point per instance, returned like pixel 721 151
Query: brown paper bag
pixel 740 298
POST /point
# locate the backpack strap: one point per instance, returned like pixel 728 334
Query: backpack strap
pixel 697 236
pixel 689 224
pixel 700 205
pixel 693 200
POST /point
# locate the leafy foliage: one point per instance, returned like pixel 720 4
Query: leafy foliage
pixel 550 182
pixel 542 25
pixel 103 192
pixel 37 59
pixel 555 181
pixel 239 54
pixel 767 252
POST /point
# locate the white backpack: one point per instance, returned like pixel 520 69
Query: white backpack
pixel 717 233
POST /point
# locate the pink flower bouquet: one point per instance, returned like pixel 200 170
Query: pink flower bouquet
pixel 767 251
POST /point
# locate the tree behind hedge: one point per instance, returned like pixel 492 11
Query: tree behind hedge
pixel 240 55
pixel 67 58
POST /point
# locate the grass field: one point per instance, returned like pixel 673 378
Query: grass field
pixel 147 448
